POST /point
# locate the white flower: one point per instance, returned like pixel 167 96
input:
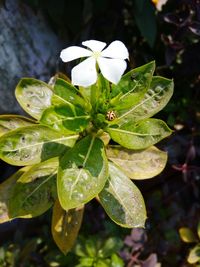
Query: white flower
pixel 111 61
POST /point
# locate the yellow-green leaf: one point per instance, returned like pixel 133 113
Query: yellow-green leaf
pixel 122 200
pixel 33 144
pixel 65 118
pixel 35 191
pixel 142 164
pixel 5 194
pixel 155 99
pixel 83 172
pixel 194 255
pixel 140 135
pixel 187 235
pixel 65 226
pixel 12 122
pixel 34 96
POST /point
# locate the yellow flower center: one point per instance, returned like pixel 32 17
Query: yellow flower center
pixel 96 54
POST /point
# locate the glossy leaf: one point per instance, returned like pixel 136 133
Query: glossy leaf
pixel 65 93
pixel 33 144
pixel 35 191
pixel 65 118
pixel 140 135
pixel 187 235
pixel 5 194
pixel 155 99
pixel 132 87
pixel 83 172
pixel 142 164
pixel 12 122
pixel 34 96
pixel 65 226
pixel 194 255
pixel 122 200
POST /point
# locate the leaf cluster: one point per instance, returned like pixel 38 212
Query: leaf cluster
pixel 188 236
pixel 83 144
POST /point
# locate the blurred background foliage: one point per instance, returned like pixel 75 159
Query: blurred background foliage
pixel 171 36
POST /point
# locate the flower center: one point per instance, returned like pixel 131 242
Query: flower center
pixel 96 54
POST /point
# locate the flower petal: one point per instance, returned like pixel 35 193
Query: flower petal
pixel 95 46
pixel 74 52
pixel 116 50
pixel 112 69
pixel 85 74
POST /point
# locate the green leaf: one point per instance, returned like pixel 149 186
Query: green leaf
pixel 5 194
pixel 116 261
pixel 110 246
pixel 122 200
pixel 102 263
pixel 187 235
pixel 86 262
pixel 12 122
pixel 142 164
pixel 65 93
pixel 132 87
pixel 65 226
pixel 83 172
pixel 194 255
pixel 33 144
pixel 140 135
pixel 65 118
pixel 146 20
pixel 34 96
pixel 35 191
pixel 155 99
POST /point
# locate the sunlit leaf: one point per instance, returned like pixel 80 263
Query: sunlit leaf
pixel 33 144
pixel 5 194
pixel 132 87
pixel 83 172
pixel 65 118
pixel 34 96
pixel 116 261
pixel 65 93
pixel 187 235
pixel 140 135
pixel 12 122
pixel 142 164
pixel 35 191
pixel 65 226
pixel 105 137
pixel 122 200
pixel 155 99
pixel 194 255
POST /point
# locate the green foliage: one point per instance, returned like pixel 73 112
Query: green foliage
pixel 96 252
pixel 70 158
pixel 188 236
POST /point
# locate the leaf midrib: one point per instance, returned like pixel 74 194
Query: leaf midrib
pixel 42 143
pixel 81 170
pixel 132 133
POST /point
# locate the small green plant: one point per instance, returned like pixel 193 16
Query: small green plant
pixel 99 252
pixel 188 236
pixel 84 142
